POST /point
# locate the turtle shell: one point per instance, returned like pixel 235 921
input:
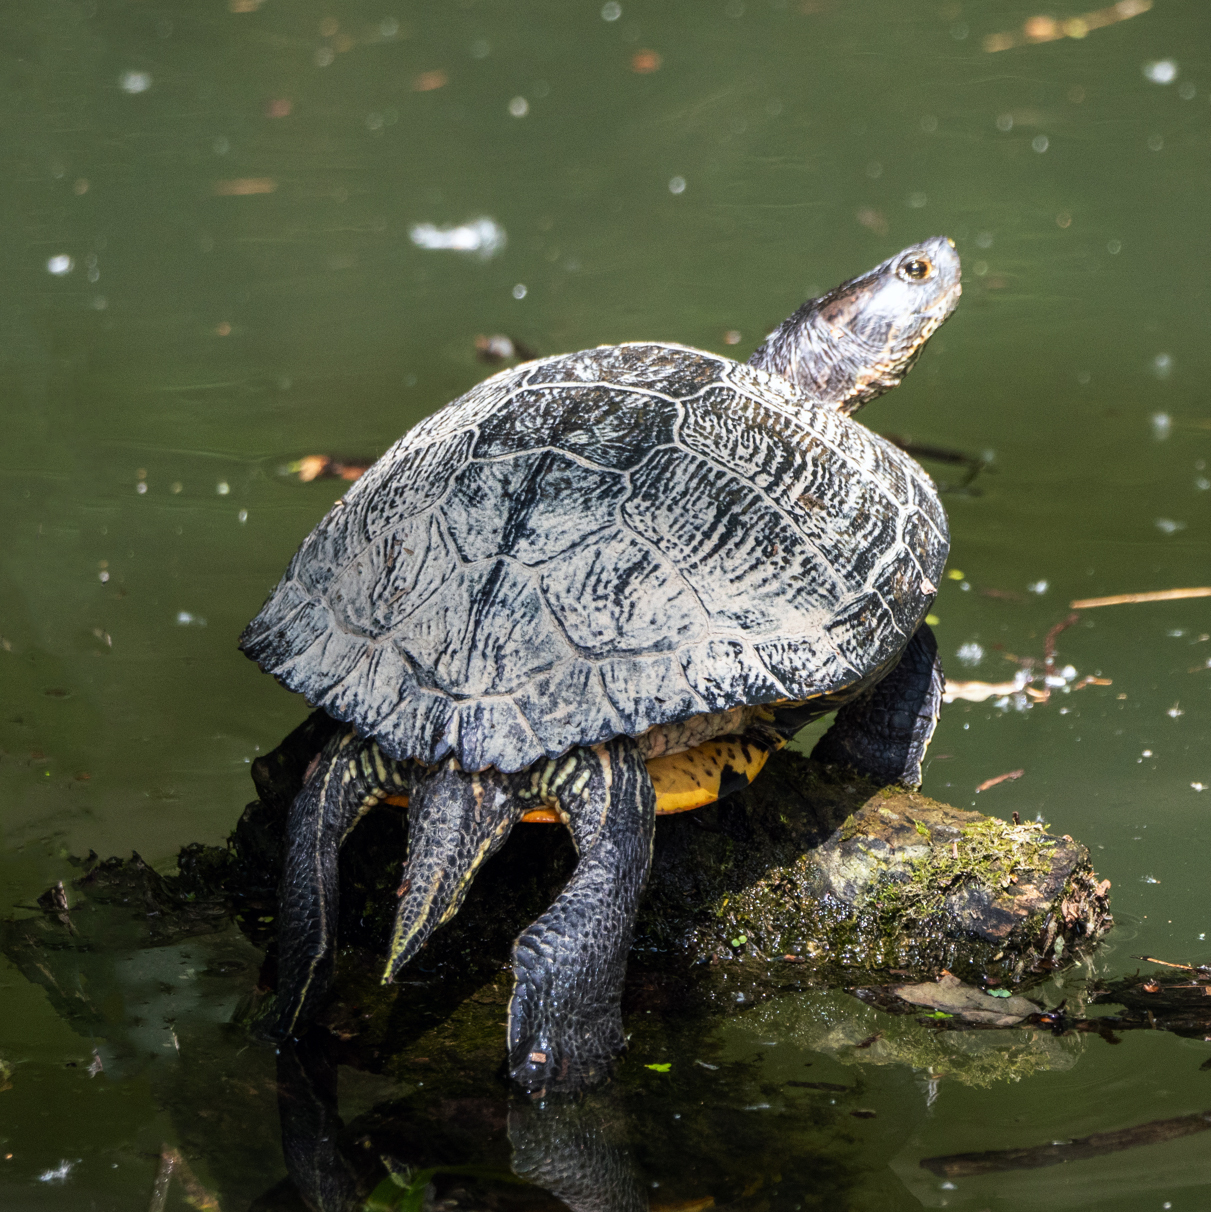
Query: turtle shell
pixel 591 544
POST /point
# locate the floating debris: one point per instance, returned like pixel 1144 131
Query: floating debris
pixel 1124 599
pixel 500 348
pixel 483 236
pixel 426 82
pixel 325 467
pixel 966 1165
pixel 1011 776
pixel 1049 29
pixel 239 187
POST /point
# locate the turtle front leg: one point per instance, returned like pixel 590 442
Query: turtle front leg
pixel 350 777
pixel 565 1017
pixel 884 732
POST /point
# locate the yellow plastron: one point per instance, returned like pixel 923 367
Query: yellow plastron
pixel 683 781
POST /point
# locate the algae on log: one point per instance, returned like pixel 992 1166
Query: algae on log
pixel 811 876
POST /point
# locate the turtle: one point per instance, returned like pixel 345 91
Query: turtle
pixel 597 587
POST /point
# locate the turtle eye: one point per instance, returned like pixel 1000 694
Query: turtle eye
pixel 915 269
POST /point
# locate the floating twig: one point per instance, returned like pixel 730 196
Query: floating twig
pixel 1000 778
pixel 964 1165
pixel 1126 599
pixel 1049 641
pixel 1049 29
pixel 1151 959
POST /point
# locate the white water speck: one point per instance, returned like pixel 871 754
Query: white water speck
pixel 1149 879
pixel 1039 587
pixel 1162 365
pixel 185 619
pixel 58 1174
pixel 483 236
pixel 1162 424
pixel 135 82
pixel 1199 787
pixel 1169 525
pixel 60 264
pixel 519 107
pixel 1040 143
pixel 1160 71
pixel 970 653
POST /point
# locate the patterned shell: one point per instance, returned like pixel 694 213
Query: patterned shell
pixel 591 544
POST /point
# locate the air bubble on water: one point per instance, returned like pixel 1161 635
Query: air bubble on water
pixel 135 82
pixel 60 264
pixel 1169 525
pixel 676 185
pixel 222 488
pixel 611 11
pixel 242 516
pixel 1149 879
pixel 1040 143
pixel 984 239
pixel 1005 123
pixel 480 48
pixel 1162 423
pixel 1160 71
pixel 519 291
pixel 1162 365
pixel 140 488
pixel 519 107
pixel 917 200
pixel 1039 587
pixel 388 27
pixel 187 619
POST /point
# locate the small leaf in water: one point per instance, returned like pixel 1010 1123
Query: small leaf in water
pixel 660 1068
pixel 740 940
pixel 938 1014
pixel 999 993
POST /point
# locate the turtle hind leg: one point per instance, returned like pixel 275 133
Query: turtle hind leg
pixel 456 821
pixel 350 777
pixel 565 1017
pixel 884 732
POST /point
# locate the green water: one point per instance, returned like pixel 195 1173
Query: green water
pixel 201 337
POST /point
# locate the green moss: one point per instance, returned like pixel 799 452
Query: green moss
pixel 989 853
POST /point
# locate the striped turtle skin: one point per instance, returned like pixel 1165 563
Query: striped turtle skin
pixel 589 545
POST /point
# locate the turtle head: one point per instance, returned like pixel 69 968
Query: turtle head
pixel 861 339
